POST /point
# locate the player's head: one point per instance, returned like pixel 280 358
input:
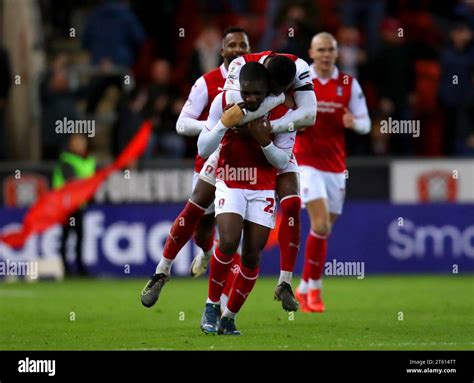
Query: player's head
pixel 254 84
pixel 235 43
pixel 323 51
pixel 282 71
pixel 77 144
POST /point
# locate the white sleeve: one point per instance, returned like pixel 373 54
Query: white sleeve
pixel 233 73
pixel 213 132
pixel 278 152
pixel 358 107
pixel 270 102
pixel 304 114
pixel 302 76
pixel 188 123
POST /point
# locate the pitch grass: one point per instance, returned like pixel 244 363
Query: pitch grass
pixel 437 313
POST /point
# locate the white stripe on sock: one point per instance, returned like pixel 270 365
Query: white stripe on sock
pixel 224 263
pixel 303 287
pixel 285 276
pixel 315 284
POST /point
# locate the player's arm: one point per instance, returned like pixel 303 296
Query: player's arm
pixel 305 99
pixel 357 117
pixel 270 102
pixel 280 155
pixel 277 152
pixel 188 123
pixel 216 126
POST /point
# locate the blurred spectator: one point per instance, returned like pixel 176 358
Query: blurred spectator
pixel 163 107
pixel 113 36
pixel 5 84
pixel 74 163
pixel 393 75
pixel 58 98
pixel 351 56
pixel 206 55
pixel 296 27
pixel 129 118
pixel 456 90
pixel 368 16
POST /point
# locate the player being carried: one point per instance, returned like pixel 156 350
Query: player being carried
pixel 245 206
pixel 320 151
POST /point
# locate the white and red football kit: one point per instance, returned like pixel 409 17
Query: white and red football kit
pixel 195 111
pixel 320 149
pixel 245 172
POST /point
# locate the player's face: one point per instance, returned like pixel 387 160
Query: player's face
pixel 253 93
pixel 234 45
pixel 323 51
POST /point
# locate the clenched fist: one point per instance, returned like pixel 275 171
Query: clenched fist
pixel 232 116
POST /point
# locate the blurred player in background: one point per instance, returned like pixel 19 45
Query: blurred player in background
pixel 242 205
pixel 320 151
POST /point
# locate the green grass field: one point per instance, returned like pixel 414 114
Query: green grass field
pixel 438 314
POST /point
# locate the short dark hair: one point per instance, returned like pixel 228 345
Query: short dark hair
pixel 254 71
pixel 282 70
pixel 233 30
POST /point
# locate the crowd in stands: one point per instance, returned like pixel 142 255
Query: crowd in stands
pixel 414 60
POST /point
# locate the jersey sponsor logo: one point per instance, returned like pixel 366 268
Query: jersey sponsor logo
pixel 328 106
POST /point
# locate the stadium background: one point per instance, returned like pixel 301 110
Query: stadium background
pixel 414 60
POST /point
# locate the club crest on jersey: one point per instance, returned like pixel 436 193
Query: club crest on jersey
pixel 221 202
pixel 209 169
pixel 339 91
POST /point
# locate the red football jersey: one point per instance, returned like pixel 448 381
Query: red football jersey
pixel 242 156
pixel 323 145
pixel 214 82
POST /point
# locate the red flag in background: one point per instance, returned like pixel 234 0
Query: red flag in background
pixel 57 205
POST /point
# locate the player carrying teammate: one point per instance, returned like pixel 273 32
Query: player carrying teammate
pixel 287 186
pixel 242 204
pixel 320 151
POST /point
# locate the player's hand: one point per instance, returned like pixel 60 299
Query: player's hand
pixel 232 116
pixel 289 101
pixel 348 119
pixel 260 130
